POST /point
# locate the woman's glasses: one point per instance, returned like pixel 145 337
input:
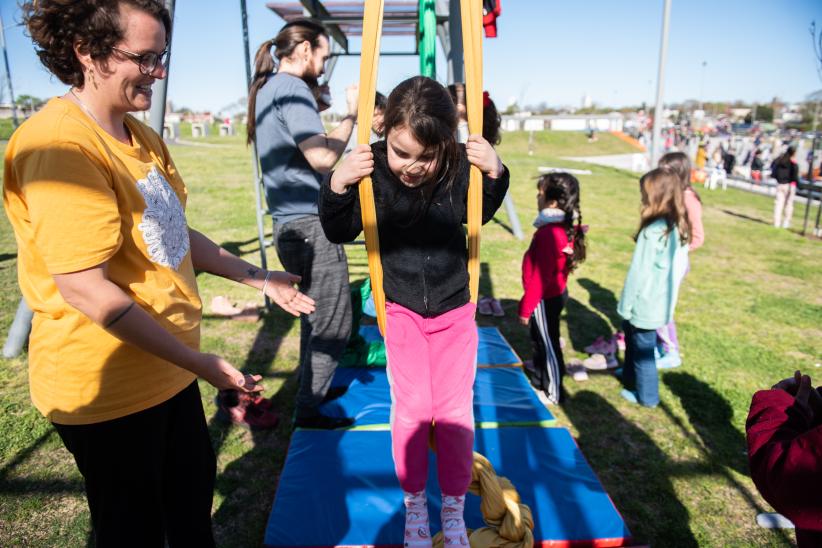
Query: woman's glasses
pixel 146 61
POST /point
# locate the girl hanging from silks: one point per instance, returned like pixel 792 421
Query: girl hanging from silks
pixel 420 179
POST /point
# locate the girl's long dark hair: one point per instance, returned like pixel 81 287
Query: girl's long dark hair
pixel 563 188
pixel 290 36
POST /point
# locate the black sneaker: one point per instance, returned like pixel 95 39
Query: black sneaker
pixel 334 392
pixel 323 422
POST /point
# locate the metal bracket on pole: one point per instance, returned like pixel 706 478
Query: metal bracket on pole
pixel 316 10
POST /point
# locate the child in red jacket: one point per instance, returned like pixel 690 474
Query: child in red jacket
pixel 557 247
pixel 785 453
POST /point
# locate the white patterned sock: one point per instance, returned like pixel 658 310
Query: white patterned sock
pixel 417 532
pixel 453 521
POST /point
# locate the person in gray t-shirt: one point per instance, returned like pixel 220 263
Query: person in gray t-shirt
pixel 295 153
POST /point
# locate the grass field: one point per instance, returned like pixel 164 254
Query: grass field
pixel 749 314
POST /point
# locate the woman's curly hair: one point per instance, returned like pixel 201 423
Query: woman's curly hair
pixel 55 25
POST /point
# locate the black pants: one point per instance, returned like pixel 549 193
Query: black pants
pixel 149 476
pixel 549 364
pixel 304 250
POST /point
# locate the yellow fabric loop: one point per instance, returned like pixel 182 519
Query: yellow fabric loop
pixel 509 523
pixel 371 32
pixel 471 15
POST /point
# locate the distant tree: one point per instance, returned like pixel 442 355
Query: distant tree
pixel 764 113
pixel 513 108
pixel 28 101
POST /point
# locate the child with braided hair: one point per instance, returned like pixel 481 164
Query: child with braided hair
pixel 556 249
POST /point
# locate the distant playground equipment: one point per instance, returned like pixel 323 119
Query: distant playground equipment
pixel 200 129
pixel 171 131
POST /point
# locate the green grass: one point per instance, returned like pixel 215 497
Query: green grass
pixel 6 128
pixel 748 315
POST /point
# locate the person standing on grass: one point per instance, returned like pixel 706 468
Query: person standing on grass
pixel 107 263
pixel 668 341
pixel 784 432
pixel 786 172
pixel 295 153
pixel 652 284
pixel 556 249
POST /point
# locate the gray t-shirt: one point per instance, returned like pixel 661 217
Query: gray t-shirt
pixel 286 114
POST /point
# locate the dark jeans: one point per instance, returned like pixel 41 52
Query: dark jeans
pixel 549 363
pixel 639 373
pixel 304 250
pixel 149 476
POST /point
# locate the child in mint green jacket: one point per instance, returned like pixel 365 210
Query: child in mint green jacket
pixel 652 284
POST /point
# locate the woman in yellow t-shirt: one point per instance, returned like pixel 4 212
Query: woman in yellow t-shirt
pixel 106 261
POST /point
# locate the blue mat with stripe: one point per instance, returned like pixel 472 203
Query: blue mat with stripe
pixel 502 397
pixel 338 488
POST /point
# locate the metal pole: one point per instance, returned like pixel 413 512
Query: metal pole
pixel 702 84
pixel 8 72
pixel 660 83
pixel 455 53
pixel 255 160
pixel 157 113
pixel 19 331
pixel 809 197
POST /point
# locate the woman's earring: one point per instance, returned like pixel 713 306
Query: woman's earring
pixel 93 80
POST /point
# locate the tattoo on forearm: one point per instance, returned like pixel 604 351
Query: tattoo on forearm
pixel 252 272
pixel 118 317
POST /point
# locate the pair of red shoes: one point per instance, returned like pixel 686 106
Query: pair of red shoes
pixel 246 410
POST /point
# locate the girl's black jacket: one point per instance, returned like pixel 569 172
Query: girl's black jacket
pixel 422 239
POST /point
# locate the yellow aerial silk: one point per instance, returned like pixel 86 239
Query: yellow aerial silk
pixel 471 12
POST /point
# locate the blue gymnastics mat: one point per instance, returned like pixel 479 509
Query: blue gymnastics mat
pixel 502 397
pixel 338 488
pixel 493 351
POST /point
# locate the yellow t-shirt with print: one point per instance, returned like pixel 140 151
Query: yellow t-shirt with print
pixel 76 197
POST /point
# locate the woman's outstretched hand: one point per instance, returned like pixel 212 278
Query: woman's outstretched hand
pixel 222 375
pixel 281 290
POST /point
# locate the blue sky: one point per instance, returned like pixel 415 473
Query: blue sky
pixel 547 50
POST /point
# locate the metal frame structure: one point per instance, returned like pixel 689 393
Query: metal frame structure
pixel 344 18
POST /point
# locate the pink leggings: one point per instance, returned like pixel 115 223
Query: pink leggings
pixel 431 369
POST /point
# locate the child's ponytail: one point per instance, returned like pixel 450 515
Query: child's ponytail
pixel 563 188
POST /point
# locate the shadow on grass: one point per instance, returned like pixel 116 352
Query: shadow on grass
pixel 745 217
pixel 603 300
pixel 711 416
pixel 584 325
pixel 236 247
pixel 634 471
pixel 249 483
pixel 505 226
